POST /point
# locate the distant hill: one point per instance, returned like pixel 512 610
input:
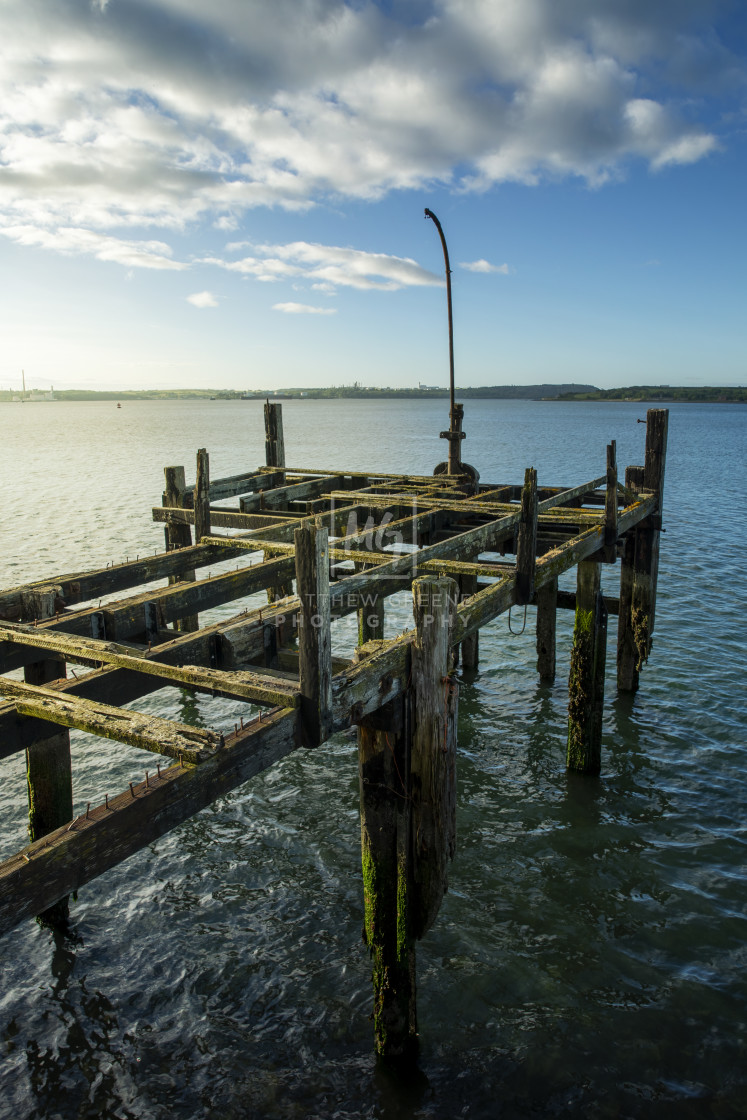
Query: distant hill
pixel 505 392
pixel 694 394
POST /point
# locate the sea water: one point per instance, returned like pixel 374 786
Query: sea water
pixel 590 956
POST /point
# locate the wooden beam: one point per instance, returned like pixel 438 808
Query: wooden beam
pixel 253 687
pixel 150 733
pixel 64 861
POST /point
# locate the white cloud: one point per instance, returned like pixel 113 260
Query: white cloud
pixel 303 309
pixel 484 266
pixel 165 114
pixel 328 266
pixel 71 241
pixel 202 299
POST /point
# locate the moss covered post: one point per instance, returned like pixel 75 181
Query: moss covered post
pixel 386 857
pixel 407 766
pixel 48 766
pixel 586 682
pixel 178 534
pixel 640 563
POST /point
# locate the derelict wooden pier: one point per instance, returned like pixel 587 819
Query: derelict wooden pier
pixel 323 545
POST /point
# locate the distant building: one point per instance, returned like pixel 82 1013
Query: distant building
pixel 421 386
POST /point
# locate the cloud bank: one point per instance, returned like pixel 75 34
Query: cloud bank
pixel 166 113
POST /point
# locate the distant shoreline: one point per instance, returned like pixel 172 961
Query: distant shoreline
pixel 657 394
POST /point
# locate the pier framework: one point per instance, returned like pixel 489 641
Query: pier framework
pixel 322 545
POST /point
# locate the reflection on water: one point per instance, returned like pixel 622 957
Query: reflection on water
pixel 590 955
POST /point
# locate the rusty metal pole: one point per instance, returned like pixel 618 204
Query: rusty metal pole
pixel 455 435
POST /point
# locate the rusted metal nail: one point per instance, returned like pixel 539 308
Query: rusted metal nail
pixel 146 779
pixel 148 647
pixel 242 723
pixel 260 715
pixel 88 811
pixel 236 729
pixel 106 800
pixel 132 791
pixel 158 768
pixel 181 760
pixel 28 858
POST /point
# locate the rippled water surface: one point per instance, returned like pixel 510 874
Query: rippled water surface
pixel 590 957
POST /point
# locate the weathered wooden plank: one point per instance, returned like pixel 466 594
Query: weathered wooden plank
pixel 314 633
pixel 179 535
pixel 281 496
pixel 88 651
pixel 81 587
pixel 72 856
pixel 150 733
pixel 124 618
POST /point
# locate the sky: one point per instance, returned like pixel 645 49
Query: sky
pixel 231 194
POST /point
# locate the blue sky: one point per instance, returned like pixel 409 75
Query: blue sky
pixel 231 194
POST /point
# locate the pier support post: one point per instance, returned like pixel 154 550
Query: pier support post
pixel 274 441
pixel 586 682
pixel 640 564
pixel 314 632
pixel 48 766
pixel 610 505
pixel 434 735
pixel 407 766
pixel 179 535
pixel 526 544
pixel 371 619
pixel 547 603
pixel 202 496
pixel 470 647
pixel 386 858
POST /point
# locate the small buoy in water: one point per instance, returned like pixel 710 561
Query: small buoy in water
pixel 118 405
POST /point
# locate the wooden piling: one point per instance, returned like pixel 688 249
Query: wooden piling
pixel 610 505
pixel 274 441
pixel 384 740
pixel 179 535
pixel 586 681
pixel 547 603
pixel 526 542
pixel 640 566
pixel 202 496
pixel 371 619
pixel 49 775
pixel 314 634
pixel 433 761
pixel 470 647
